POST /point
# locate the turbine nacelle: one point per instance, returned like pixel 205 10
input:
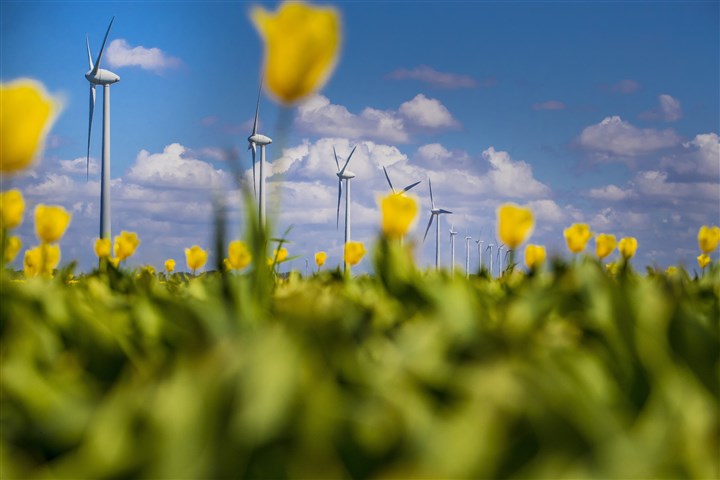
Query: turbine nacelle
pixel 346 175
pixel 259 139
pixel 102 77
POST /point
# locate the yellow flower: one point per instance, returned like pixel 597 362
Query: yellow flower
pixel 302 43
pixel 239 255
pixel 125 245
pixel 280 254
pixel 671 270
pixel 708 238
pixel 51 222
pixel 604 245
pixel 398 214
pixel 26 115
pixel 102 247
pixel 226 265
pixel 14 244
pixel 612 268
pixel 196 257
pixel 703 260
pixel 534 255
pixel 577 236
pixel 515 224
pixel 627 247
pixel 115 261
pixel 169 265
pixel 41 260
pixel 12 207
pixel 354 252
pixel 320 258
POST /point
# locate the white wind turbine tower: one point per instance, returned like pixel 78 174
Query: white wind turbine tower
pixel 344 174
pixel 500 259
pixel 254 140
pixel 467 255
pixel 489 247
pixel 99 76
pixel 435 212
pixel 479 244
pixel 452 248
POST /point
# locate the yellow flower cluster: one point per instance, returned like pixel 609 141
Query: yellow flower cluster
pixel 708 239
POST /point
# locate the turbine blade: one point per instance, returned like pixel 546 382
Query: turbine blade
pixel 257 110
pixel 442 210
pixel 388 179
pixel 337 220
pixel 428 227
pixel 92 109
pixel 87 44
pixel 432 202
pixel 336 159
pixel 97 62
pixel 348 160
pixel 411 186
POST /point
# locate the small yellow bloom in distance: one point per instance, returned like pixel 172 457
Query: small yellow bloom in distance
pixel 226 265
pixel 125 245
pixel 281 254
pixel 613 268
pixel 102 247
pixel 627 247
pixel 354 252
pixel 41 260
pixel 14 244
pixel 26 115
pixel 195 257
pixel 708 238
pixel 302 43
pixel 51 221
pixel 703 260
pixel 671 270
pixel 534 255
pixel 239 255
pixel 115 261
pixel 32 262
pixel 12 207
pixel 577 236
pixel 170 265
pixel 514 224
pixel 604 245
pixel 399 212
pixel 320 258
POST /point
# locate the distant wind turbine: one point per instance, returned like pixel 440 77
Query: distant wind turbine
pixel 499 259
pixel 435 212
pixel 452 248
pixel 99 76
pixel 489 247
pixel 479 244
pixel 254 140
pixel 393 188
pixel 467 255
pixel 344 174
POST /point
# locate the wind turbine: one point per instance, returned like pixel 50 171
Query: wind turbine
pixel 499 259
pixel 344 174
pixel 479 244
pixel 254 140
pixel 99 76
pixel 489 247
pixel 467 255
pixel 452 248
pixel 435 212
pixel 393 188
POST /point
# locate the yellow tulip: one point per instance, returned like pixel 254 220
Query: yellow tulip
pixel 51 222
pixel 627 247
pixel 604 245
pixel 239 255
pixel 12 207
pixel 534 255
pixel 226 265
pixel 671 270
pixel 115 261
pixel 515 224
pixel 354 252
pixel 302 43
pixel 577 236
pixel 125 245
pixel 704 260
pixel 320 258
pixel 398 214
pixel 14 244
pixel 169 265
pixel 196 257
pixel 708 238
pixel 26 115
pixel 102 247
pixel 41 260
pixel 280 254
pixel 32 262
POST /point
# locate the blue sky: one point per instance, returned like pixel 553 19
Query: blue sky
pixel 597 112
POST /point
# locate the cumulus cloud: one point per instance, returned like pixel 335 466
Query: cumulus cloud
pixel 611 193
pixel 429 75
pixel 172 168
pixel 618 137
pixel 698 159
pixel 79 165
pixel 512 178
pixel 427 112
pixel 121 54
pixel 669 110
pixel 549 105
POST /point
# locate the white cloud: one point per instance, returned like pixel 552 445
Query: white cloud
pixel 79 165
pixel 700 158
pixel 121 54
pixel 512 178
pixel 549 105
pixel 172 168
pixel 618 137
pixel 427 112
pixel 435 78
pixel 669 110
pixel 611 193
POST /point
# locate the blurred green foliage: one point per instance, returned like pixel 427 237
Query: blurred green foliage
pixel 567 373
